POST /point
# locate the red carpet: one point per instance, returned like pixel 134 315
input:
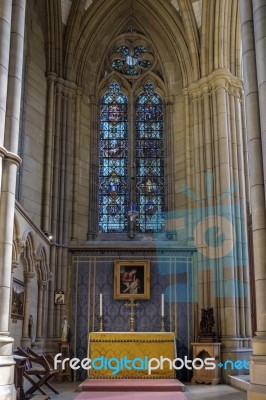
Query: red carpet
pixel 130 396
pixel 131 389
pixel 132 385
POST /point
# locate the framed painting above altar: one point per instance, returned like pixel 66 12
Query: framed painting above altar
pixel 132 279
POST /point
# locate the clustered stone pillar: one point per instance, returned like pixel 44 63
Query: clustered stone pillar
pixel 219 170
pixel 63 116
pixel 12 23
pixel 253 31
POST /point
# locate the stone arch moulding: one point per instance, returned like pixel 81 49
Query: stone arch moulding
pixel 108 79
pixel 87 46
pixel 42 267
pixel 158 83
pixel 29 255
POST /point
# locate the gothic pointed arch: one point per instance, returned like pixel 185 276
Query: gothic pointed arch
pixel 159 22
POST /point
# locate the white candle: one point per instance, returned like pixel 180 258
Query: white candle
pixel 101 305
pixel 162 305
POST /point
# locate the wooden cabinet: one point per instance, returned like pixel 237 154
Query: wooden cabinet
pixel 202 351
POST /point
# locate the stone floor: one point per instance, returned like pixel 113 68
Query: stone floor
pixel 69 390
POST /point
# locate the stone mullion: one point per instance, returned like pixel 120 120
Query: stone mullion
pixel 47 192
pixel 76 165
pixel 131 149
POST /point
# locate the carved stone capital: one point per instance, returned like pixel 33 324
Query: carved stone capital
pixel 28 275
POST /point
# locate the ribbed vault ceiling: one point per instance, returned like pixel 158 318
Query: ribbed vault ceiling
pixel 66 5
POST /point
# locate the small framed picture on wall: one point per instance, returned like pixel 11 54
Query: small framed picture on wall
pixel 59 297
pixel 18 299
pixel 132 279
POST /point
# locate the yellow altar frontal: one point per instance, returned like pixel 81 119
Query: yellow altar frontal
pixel 127 354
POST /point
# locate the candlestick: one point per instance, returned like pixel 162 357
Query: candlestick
pixel 162 325
pixel 101 305
pixel 162 305
pixel 101 323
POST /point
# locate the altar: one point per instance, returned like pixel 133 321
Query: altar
pixel 118 348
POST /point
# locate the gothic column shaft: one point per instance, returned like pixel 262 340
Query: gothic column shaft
pixel 188 161
pixel 76 164
pixel 93 168
pixel 52 288
pixel 46 224
pixel 257 196
pixel 39 329
pixel 5 32
pixel 57 160
pixel 28 276
pixel 253 32
pixel 259 16
pixel 11 160
pixel 11 66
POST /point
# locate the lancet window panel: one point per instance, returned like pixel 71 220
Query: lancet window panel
pixel 113 161
pixel 144 146
pixel 150 160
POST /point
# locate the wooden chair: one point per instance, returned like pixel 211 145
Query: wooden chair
pixel 44 371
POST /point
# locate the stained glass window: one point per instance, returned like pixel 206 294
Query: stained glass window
pixel 113 176
pixel 147 154
pixel 132 60
pixel 149 160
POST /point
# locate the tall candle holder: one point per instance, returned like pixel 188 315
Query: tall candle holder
pixel 162 324
pixel 101 323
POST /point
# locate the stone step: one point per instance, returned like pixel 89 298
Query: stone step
pixel 239 381
pixel 132 385
pixel 130 396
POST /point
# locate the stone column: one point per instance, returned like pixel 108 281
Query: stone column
pixel 76 165
pixel 49 145
pixel 220 208
pixel 25 340
pixel 93 214
pixel 12 37
pixel 39 329
pixel 5 31
pixel 253 31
